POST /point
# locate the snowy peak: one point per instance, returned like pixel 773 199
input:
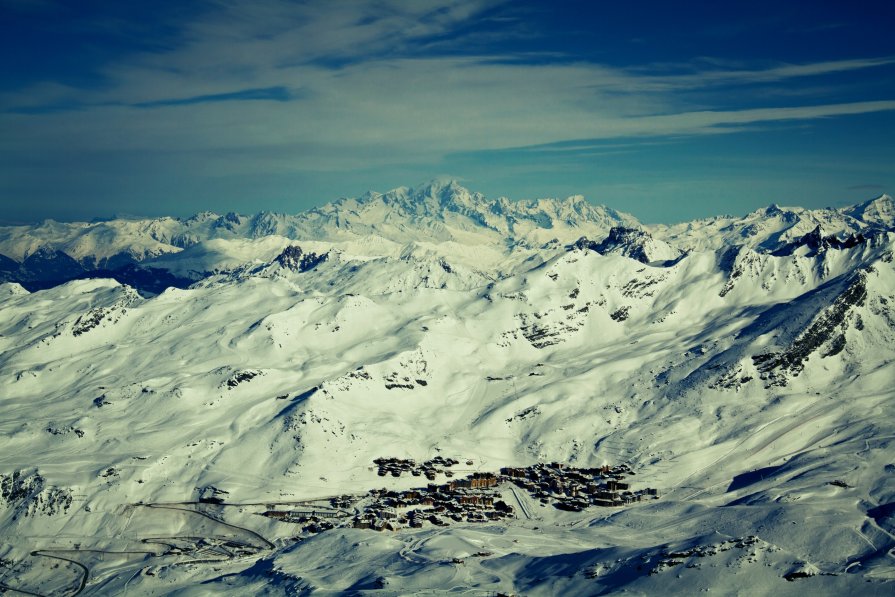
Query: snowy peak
pixel 876 212
pixel 449 202
pixel 448 195
pixel 437 200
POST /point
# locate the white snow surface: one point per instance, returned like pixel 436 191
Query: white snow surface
pixel 271 385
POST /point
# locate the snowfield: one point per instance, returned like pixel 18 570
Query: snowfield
pixel 167 442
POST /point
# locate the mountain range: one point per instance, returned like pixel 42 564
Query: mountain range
pixel 437 219
pixel 201 405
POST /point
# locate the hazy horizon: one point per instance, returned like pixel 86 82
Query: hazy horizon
pixel 187 214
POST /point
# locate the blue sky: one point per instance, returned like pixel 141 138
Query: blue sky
pixel 669 111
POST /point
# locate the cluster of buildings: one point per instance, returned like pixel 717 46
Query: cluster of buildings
pixel 398 466
pixel 574 489
pixel 474 498
pixel 311 521
pixel 460 500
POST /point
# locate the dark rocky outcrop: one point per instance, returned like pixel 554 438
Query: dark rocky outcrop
pixel 827 329
pixel 29 494
pixel 631 242
pixel 293 258
pixel 817 243
pixel 627 241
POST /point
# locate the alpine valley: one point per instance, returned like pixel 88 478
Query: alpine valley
pixel 429 391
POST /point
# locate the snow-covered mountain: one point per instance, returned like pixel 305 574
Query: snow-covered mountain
pixel 432 216
pixel 771 227
pixel 222 436
pixel 433 221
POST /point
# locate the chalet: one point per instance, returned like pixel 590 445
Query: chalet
pixel 480 480
pixel 513 472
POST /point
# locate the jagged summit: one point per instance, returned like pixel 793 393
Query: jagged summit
pixel 635 243
pixel 816 242
pixel 445 199
pixel 445 211
pixel 434 199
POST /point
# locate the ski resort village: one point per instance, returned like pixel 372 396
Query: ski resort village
pixel 479 497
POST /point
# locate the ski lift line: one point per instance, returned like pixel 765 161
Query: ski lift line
pixel 865 538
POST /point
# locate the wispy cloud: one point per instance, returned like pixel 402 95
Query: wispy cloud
pixel 689 76
pixel 381 82
pixel 277 94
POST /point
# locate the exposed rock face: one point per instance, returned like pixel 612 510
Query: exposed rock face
pixel 240 377
pixel 827 330
pixel 293 258
pixel 630 242
pixel 584 244
pixel 815 242
pixel 736 261
pixel 29 494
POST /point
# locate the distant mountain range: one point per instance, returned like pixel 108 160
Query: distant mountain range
pixel 440 219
